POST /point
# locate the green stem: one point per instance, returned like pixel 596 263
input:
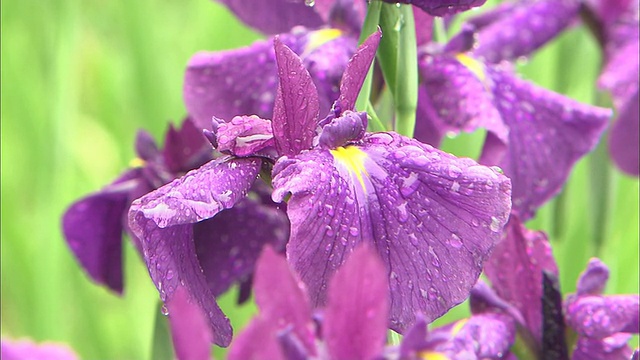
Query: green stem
pixel 369 26
pixel 406 89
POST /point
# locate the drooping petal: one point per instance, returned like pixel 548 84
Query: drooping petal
pixel 295 112
pixel 602 316
pixel 356 315
pixel 548 134
pixel 528 26
pixel 526 254
pixel 163 221
pixel 274 16
pixel 229 244
pixel 93 228
pixel 349 127
pixel 357 70
pixel 409 201
pixel 611 348
pixel 189 328
pixel 26 349
pixel 593 280
pixel 441 7
pixel 535 135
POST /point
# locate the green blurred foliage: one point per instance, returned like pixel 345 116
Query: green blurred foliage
pixel 80 77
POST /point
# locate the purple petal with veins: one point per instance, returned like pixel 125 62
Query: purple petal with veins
pixel 295 113
pixel 407 200
pixel 357 70
pixel 163 220
pixel 246 136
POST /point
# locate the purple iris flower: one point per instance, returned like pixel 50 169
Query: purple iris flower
pixel 615 23
pixel 352 325
pixel 244 81
pixel 26 349
pixel 344 187
pixel 94 225
pixel 534 135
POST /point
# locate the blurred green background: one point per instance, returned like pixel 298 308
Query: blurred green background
pixel 80 77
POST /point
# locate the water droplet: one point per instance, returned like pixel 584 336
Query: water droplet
pixel 354 231
pixel 455 241
pixel 164 310
pixel 403 214
pixel 455 186
pixel 310 3
pixel 495 224
pixel 424 293
pixel 169 275
pixel 454 172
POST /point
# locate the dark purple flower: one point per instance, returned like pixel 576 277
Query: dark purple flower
pixel 534 135
pixel 94 225
pixel 244 81
pixel 344 187
pixel 354 321
pixel 441 7
pixel 26 349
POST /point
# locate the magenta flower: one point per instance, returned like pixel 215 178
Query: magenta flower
pixel 352 325
pixel 26 349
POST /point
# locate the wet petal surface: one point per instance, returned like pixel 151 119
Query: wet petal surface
pixel 441 7
pixel 164 218
pixel 274 16
pixel 407 200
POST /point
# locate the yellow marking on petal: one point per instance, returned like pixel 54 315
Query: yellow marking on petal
pixel 475 66
pixel 136 163
pixel 458 326
pixel 319 37
pixel 353 159
pixel 432 355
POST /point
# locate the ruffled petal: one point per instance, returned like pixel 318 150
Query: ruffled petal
pixel 93 228
pixel 526 254
pixel 163 221
pixel 295 112
pixel 356 316
pixel 409 201
pixel 274 16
